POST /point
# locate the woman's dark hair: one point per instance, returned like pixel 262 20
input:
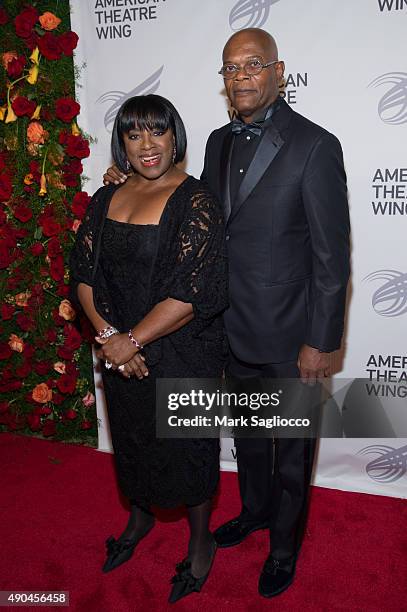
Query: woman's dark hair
pixel 149 112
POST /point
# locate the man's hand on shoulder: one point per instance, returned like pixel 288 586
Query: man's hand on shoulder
pixel 313 364
pixel 113 175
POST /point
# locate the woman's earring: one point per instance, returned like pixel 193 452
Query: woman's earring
pixel 174 154
pixel 128 165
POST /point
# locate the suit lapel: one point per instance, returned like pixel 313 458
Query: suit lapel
pixel 225 159
pixel 270 144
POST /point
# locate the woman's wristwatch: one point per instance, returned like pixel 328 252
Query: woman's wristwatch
pixel 107 332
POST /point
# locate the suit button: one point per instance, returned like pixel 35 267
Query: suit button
pixel 227 236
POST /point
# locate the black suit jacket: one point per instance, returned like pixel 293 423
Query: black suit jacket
pixel 288 239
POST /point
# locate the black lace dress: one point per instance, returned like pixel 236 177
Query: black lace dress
pixel 128 276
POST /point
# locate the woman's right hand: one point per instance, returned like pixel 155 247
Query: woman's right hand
pixel 135 367
pixel 113 175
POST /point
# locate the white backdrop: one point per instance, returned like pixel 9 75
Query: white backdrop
pixel 346 69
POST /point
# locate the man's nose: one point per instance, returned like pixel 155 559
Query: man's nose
pixel 241 75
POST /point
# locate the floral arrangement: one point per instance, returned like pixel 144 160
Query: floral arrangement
pixel 46 378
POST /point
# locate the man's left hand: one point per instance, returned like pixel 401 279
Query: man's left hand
pixel 313 364
pixel 117 349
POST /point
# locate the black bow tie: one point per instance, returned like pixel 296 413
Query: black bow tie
pixel 256 127
pixel 239 126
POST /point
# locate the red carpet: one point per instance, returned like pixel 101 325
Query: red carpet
pixel 59 503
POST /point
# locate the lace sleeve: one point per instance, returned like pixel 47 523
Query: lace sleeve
pixel 200 272
pixel 82 256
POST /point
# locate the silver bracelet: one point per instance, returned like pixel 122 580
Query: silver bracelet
pixel 134 341
pixel 107 332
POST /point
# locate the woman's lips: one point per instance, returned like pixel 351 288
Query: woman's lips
pixel 150 160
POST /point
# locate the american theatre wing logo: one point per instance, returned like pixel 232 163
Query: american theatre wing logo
pixel 250 13
pixel 149 86
pixel 392 107
pixel 390 299
pixel 389 464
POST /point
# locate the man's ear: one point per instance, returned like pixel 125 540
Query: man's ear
pixel 280 67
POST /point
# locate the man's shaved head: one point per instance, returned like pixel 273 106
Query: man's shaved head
pixel 261 37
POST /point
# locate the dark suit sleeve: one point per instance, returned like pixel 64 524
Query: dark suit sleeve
pixel 325 199
pixel 205 171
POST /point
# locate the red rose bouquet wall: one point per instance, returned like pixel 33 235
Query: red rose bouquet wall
pixel 46 379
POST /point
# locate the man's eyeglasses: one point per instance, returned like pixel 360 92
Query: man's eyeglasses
pixel 252 67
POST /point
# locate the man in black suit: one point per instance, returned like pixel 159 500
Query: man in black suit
pixel 282 183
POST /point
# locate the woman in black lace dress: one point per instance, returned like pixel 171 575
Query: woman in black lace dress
pixel 149 269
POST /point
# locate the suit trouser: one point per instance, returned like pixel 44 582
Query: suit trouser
pixel 274 474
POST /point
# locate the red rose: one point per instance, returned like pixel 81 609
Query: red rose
pixel 49 46
pixel 4 406
pixel 7 312
pixel 80 204
pixel 50 227
pixel 70 368
pixel 6 187
pixel 57 268
pixel 42 367
pixel 34 422
pixel 24 370
pixel 71 172
pixel 70 414
pixel 86 425
pixel 15 67
pixel 5 257
pixel 51 335
pixel 21 233
pixel 24 322
pixel 68 42
pixel 58 320
pixel 3 17
pixel 70 180
pixel 22 213
pixel 54 247
pixel 63 137
pixel 76 146
pixel 65 353
pixel 23 106
pixel 66 383
pixel 73 339
pixel 25 21
pixel 49 428
pixel 58 398
pixel 73 167
pixel 5 351
pixel 13 385
pixel 63 290
pixel 42 410
pixel 32 40
pixel 29 351
pixel 66 109
pixel 37 248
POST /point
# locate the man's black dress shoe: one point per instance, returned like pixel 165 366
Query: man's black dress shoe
pixel 276 576
pixel 235 531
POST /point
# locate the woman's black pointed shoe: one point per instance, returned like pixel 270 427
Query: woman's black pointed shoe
pixel 118 552
pixel 184 582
